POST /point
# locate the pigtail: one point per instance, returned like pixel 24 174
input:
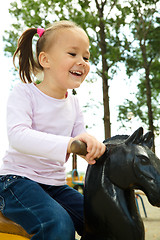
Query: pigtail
pixel 27 64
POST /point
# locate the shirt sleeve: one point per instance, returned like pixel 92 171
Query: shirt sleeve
pixel 23 138
pixel 79 125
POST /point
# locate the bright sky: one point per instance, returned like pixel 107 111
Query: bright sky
pixel 119 90
pixel 6 77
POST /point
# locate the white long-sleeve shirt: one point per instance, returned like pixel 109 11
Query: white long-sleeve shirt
pixel 39 129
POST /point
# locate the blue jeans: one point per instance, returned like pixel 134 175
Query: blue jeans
pixel 48 212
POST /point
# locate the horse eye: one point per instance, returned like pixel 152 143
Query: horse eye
pixel 144 159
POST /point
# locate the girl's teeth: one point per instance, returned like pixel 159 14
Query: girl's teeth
pixel 76 72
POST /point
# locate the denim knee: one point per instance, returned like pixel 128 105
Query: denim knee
pixel 66 228
pixel 55 229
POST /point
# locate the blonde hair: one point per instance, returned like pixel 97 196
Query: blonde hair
pixel 29 65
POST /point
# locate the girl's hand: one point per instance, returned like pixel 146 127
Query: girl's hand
pixel 95 148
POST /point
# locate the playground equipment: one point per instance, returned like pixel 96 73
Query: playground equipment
pixel 138 196
pixel 109 199
pixel 76 181
pixel 10 230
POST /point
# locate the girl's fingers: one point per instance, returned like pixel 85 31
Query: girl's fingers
pixel 91 162
pixel 95 148
pixel 97 151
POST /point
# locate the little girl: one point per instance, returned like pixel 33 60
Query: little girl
pixel 43 120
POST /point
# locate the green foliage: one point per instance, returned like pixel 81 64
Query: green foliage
pixel 35 13
pixel 10 46
pixel 143 57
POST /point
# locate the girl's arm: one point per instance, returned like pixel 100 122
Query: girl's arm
pixel 94 148
pixel 23 138
pixel 26 140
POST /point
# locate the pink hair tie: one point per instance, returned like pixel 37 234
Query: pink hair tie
pixel 40 31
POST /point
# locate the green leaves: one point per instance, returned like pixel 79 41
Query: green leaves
pixel 142 57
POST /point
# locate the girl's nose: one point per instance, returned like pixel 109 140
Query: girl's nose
pixel 81 61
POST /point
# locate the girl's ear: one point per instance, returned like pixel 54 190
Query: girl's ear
pixel 44 60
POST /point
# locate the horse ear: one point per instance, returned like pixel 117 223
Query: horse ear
pixel 135 138
pixel 147 139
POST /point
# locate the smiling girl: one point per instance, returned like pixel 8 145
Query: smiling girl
pixel 43 120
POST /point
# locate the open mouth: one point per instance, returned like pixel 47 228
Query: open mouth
pixel 76 73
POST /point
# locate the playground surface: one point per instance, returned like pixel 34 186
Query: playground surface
pixel 151 223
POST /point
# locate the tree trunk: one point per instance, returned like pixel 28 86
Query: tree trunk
pixel 149 105
pixel 105 68
pixel 107 127
pixel 148 90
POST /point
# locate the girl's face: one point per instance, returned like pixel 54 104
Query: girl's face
pixel 68 59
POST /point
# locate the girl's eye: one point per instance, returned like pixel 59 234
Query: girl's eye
pixel 86 59
pixel 72 54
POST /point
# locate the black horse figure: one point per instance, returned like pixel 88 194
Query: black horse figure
pixel 109 205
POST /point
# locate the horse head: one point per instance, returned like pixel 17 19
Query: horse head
pixel 138 167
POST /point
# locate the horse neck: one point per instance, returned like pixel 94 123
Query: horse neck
pixel 129 195
pixel 124 206
pixel 126 198
pixel 116 205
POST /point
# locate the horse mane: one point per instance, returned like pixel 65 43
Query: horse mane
pixel 118 139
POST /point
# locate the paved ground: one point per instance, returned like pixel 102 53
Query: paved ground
pixel 151 223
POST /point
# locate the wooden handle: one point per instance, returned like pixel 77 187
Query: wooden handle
pixel 79 147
